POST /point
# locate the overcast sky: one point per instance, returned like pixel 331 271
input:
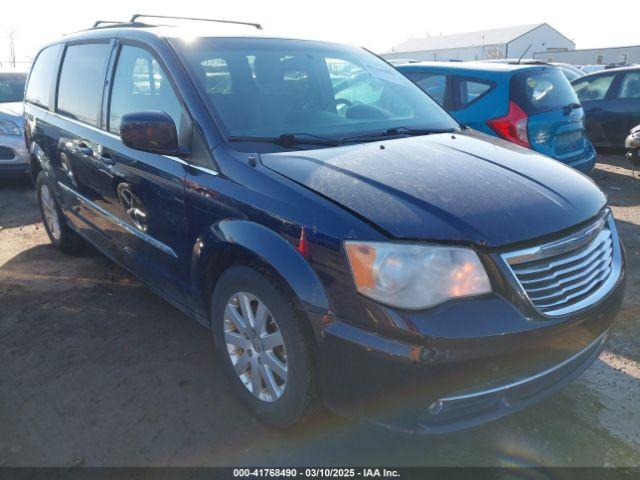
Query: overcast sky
pixel 375 25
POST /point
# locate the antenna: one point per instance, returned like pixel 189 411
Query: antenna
pixel 139 15
pixel 524 53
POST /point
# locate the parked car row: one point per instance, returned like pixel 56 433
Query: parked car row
pixel 531 105
pixel 611 100
pixel 524 101
pixel 341 234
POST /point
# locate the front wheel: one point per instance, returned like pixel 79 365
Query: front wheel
pixel 263 347
pixel 55 225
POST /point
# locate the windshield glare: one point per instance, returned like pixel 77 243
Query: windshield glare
pixel 12 87
pixel 266 87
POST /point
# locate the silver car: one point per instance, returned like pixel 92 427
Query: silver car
pixel 632 145
pixel 14 159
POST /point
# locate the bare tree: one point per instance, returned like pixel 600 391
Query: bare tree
pixel 11 38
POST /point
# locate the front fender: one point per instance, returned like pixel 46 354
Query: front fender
pixel 241 239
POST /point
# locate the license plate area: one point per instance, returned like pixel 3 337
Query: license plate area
pixel 569 142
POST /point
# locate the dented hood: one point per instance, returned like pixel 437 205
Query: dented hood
pixel 466 187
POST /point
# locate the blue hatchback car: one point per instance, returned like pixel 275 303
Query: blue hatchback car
pixel 530 105
pixel 341 236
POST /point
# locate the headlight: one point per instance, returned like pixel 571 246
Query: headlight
pixel 415 276
pixel 7 127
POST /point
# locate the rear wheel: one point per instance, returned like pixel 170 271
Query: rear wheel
pixel 55 225
pixel 264 350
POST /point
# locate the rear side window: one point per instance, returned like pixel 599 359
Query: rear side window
pixel 83 74
pixel 141 84
pixel 630 87
pixel 435 84
pixel 594 88
pixel 217 76
pixel 470 90
pixel 542 90
pixel 43 76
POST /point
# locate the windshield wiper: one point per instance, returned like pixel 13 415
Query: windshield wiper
pixel 289 140
pixel 392 132
pixel 293 139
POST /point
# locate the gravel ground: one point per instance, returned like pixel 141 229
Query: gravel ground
pixel 96 370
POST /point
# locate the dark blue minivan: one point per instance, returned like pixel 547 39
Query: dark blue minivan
pixel 532 105
pixel 341 235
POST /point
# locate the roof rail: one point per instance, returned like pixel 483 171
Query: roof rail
pixel 139 15
pixel 100 22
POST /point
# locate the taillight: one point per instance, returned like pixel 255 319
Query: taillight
pixel 513 126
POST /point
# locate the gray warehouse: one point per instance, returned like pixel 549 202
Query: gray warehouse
pixel 511 42
pixel 594 56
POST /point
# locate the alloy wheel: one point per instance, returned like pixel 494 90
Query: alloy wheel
pixel 49 212
pixel 255 346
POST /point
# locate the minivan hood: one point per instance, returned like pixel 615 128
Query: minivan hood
pixel 466 187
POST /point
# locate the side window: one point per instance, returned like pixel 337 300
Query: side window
pixel 81 81
pixel 340 71
pixel 43 76
pixel 141 84
pixel 630 87
pixel 471 90
pixel 595 88
pixel 353 86
pixel 435 84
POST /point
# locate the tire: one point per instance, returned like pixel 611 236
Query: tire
pixel 286 403
pixel 65 239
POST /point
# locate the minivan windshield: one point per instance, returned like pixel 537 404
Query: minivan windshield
pixel 267 88
pixel 542 90
pixel 12 87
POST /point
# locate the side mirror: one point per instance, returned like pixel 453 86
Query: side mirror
pixel 150 131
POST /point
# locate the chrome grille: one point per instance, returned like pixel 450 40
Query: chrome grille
pixel 571 273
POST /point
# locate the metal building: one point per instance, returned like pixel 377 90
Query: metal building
pixel 594 56
pixel 511 42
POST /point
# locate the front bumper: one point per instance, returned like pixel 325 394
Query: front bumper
pixel 14 157
pixel 450 383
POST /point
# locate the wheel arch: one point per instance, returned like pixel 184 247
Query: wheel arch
pixel 38 161
pixel 242 242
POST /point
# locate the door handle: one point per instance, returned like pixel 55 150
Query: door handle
pixel 84 149
pixel 105 158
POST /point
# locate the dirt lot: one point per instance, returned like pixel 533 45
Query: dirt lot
pixel 96 370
